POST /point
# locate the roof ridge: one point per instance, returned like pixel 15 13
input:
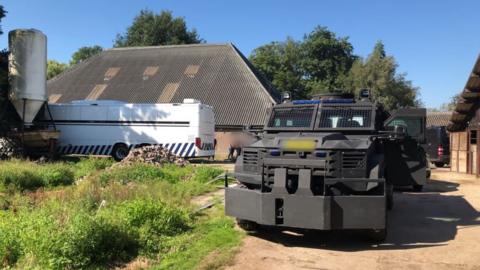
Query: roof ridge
pixel 168 46
pixel 261 78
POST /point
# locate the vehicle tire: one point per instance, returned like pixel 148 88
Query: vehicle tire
pixel 439 164
pixel 376 236
pixel 248 225
pixel 120 151
pixel 389 197
pixel 417 188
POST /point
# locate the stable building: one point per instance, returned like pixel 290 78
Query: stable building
pixel 216 74
pixel 464 127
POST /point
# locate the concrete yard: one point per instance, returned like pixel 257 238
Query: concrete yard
pixel 436 229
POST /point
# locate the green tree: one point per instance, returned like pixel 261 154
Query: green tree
pixel 378 72
pixel 319 63
pixel 150 29
pixel 326 60
pixel 280 62
pixel 84 53
pixel 450 106
pixel 3 61
pixel 54 68
pixel 2 15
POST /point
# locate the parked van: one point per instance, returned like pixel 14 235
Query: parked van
pixel 114 128
pixel 438 145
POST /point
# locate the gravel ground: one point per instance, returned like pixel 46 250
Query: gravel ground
pixel 435 229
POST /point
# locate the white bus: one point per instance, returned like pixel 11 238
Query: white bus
pixel 114 128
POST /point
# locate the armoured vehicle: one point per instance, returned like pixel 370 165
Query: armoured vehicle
pixel 328 164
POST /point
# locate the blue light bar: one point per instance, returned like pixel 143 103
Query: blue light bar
pixel 320 153
pixel 327 101
pixel 275 152
pixel 300 102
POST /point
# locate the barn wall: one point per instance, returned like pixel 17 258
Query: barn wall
pixel 463 152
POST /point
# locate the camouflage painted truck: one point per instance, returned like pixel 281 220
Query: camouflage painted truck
pixel 328 164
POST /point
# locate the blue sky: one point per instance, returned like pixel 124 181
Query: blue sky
pixel 433 41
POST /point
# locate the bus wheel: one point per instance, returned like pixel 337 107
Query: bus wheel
pixel 120 151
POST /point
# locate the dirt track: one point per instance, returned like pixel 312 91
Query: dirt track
pixel 436 229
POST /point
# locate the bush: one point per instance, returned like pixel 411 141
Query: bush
pixel 153 222
pixel 53 175
pixel 10 250
pixel 19 177
pixel 94 225
pixel 170 173
pixel 132 173
pixel 85 166
pixel 25 175
pixel 205 174
pixel 75 240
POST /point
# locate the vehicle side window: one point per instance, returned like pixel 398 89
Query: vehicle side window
pixel 413 124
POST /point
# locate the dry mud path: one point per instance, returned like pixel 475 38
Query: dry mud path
pixel 438 228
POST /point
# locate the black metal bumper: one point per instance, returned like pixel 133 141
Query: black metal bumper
pixel 305 210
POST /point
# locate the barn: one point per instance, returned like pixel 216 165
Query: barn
pixel 464 126
pixel 216 74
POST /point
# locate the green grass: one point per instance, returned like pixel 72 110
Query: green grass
pixel 111 217
pixel 20 175
pixel 211 245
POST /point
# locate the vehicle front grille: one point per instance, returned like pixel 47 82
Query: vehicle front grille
pixel 353 160
pixel 250 160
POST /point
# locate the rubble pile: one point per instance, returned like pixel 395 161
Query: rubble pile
pixel 153 154
pixel 8 150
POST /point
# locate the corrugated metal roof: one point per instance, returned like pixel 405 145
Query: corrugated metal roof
pixel 468 102
pixel 217 74
pixel 438 118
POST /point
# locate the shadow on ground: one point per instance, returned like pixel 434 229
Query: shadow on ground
pixel 422 219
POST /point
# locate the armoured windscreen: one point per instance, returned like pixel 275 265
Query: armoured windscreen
pixel 345 117
pixel 293 117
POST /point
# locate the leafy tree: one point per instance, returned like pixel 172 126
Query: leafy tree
pixel 280 62
pixel 150 29
pixel 326 60
pixel 2 15
pixel 84 53
pixel 3 62
pixel 318 63
pixel 54 68
pixel 378 72
pixel 450 106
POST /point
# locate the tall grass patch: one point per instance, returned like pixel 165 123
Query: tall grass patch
pixel 108 219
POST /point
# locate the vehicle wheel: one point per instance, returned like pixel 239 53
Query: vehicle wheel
pixel 377 235
pixel 389 197
pixel 439 164
pixel 417 188
pixel 120 151
pixel 248 225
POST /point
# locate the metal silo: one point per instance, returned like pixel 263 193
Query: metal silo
pixel 28 72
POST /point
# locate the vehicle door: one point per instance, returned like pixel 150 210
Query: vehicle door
pixel 405 157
